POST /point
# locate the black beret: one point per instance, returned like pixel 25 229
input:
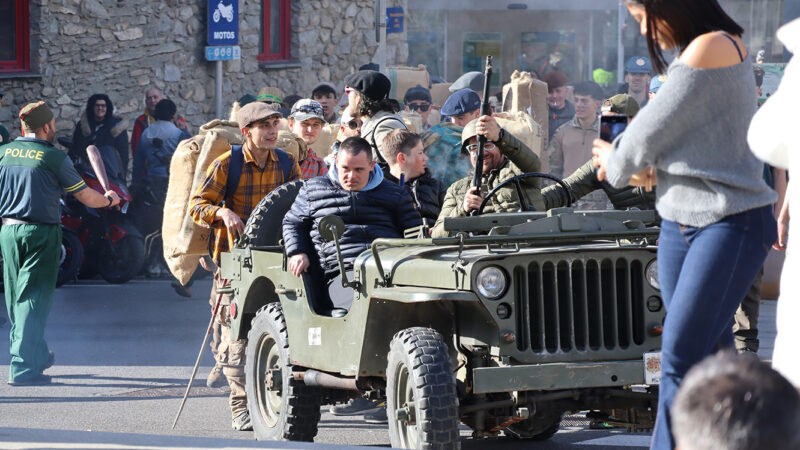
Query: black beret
pixel 373 85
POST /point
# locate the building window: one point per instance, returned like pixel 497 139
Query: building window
pixel 275 30
pixel 14 36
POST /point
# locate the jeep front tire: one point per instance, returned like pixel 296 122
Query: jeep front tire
pixel 421 400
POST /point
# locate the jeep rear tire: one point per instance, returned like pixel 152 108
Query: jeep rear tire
pixel 421 400
pixel 281 408
pixel 264 227
pixel 535 428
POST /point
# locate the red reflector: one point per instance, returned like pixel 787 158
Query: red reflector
pixel 234 310
pixel 656 331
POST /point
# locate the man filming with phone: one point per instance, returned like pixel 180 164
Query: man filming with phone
pixel 616 113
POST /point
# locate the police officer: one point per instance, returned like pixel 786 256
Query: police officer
pixel 33 174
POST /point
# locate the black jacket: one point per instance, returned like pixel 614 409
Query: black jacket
pixel 383 212
pixel 111 132
pixel 427 193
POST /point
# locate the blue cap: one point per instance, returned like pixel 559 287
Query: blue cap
pixel 638 64
pixel 461 102
pixel 656 82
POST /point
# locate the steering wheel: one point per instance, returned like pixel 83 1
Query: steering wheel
pixel 523 205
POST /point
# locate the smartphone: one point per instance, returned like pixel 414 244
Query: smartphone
pixel 612 126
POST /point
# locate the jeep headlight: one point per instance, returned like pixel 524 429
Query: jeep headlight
pixel 491 282
pixel 651 273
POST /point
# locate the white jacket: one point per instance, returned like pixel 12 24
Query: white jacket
pixel 775 138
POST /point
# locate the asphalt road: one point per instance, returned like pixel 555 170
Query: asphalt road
pixel 125 353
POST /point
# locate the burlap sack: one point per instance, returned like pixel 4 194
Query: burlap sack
pixel 326 139
pixel 184 241
pixel 413 120
pixel 524 128
pixel 404 78
pixel 440 92
pixel 292 145
pixel 525 93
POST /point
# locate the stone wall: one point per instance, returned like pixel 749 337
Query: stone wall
pixel 121 47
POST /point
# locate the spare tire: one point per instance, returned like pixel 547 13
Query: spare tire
pixel 264 227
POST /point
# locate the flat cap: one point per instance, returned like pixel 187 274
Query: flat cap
pixel 35 115
pixel 370 83
pixel 470 80
pixel 461 102
pixel 621 104
pixel 255 111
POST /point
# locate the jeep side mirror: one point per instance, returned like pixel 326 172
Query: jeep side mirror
pixel 331 229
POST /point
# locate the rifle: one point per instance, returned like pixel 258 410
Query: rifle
pixel 485 111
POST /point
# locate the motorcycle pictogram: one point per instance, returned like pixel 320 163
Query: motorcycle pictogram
pixel 223 11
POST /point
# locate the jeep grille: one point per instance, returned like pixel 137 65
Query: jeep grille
pixel 583 305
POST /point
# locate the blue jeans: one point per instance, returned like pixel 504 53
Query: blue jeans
pixel 704 274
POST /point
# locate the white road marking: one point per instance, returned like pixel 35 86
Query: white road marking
pixel 620 440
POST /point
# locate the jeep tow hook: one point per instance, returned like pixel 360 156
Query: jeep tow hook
pixel 407 414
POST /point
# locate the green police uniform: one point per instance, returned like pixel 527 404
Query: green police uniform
pixel 33 173
pixel 3 135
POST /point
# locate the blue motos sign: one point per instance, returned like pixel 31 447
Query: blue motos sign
pixel 223 22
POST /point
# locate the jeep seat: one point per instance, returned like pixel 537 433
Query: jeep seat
pixel 316 288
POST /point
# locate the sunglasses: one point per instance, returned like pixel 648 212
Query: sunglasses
pixel 487 147
pixel 308 109
pixel 353 124
pixel 417 106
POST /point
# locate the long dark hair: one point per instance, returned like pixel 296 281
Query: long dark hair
pixel 90 109
pixel 369 107
pixel 686 20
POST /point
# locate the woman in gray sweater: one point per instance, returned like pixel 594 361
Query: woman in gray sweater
pixel 717 220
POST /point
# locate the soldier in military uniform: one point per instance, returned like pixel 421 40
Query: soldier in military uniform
pixel 33 173
pixel 505 157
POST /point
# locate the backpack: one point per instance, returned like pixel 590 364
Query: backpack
pixel 237 163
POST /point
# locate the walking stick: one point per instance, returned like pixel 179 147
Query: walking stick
pixel 202 347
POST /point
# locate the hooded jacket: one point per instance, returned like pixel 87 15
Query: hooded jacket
pixel 427 193
pixel 111 132
pixel 381 210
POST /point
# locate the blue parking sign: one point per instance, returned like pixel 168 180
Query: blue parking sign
pixel 223 22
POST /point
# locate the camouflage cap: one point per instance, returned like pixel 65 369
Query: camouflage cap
pixel 621 104
pixel 35 115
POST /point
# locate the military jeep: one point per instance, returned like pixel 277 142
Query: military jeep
pixel 513 321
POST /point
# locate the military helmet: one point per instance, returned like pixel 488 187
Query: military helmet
pixel 467 134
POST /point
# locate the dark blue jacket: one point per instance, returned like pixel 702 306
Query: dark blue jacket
pixel 382 212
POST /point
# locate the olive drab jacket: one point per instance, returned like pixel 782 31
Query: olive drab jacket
pixel 584 181
pixel 519 159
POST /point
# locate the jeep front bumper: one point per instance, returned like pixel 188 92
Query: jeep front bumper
pixel 556 376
